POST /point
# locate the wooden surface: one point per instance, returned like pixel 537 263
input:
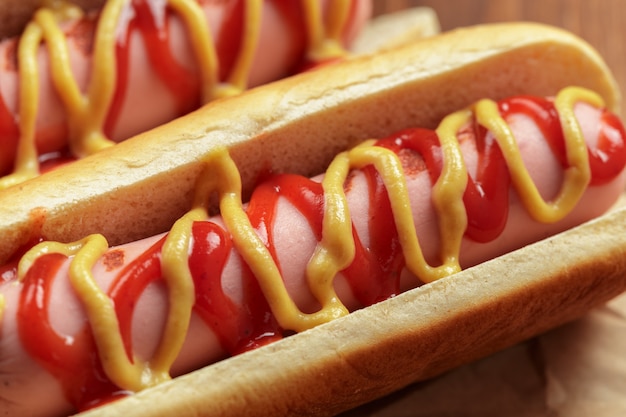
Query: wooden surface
pixel 601 22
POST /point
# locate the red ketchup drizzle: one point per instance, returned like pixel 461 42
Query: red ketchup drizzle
pixel 53 160
pixel 130 284
pixel 239 327
pixel 373 275
pixel 9 134
pixel 72 360
pixel 487 198
pixel 308 64
pixel 230 36
pixel 182 82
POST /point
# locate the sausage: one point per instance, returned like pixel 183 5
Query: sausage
pixel 286 211
pixel 158 72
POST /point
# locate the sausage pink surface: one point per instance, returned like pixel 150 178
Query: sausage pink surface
pixel 293 216
pixel 149 93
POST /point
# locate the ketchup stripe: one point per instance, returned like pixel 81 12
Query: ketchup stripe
pixel 73 360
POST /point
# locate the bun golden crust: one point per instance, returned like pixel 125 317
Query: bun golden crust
pixel 139 187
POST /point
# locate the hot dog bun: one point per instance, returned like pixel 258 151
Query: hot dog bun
pixel 373 351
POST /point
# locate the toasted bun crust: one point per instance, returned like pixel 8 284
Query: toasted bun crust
pixel 139 187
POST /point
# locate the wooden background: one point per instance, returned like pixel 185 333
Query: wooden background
pixel 601 22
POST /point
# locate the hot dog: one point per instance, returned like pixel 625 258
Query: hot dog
pixel 359 361
pixel 101 77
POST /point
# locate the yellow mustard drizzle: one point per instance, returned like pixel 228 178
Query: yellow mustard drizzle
pixel 26 162
pixel 131 374
pixel 86 114
pixel 336 250
pixel 325 39
pixel 225 181
pixel 446 195
pixel 178 279
pixel 577 175
pixel 238 78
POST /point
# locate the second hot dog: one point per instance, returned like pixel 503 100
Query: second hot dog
pixel 106 76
